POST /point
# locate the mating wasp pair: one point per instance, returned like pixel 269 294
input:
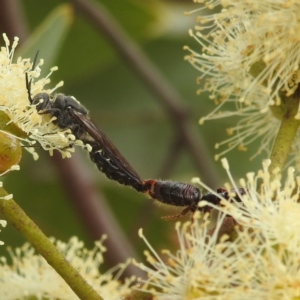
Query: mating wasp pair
pixel 70 114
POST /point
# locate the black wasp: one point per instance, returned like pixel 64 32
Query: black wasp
pixel 70 114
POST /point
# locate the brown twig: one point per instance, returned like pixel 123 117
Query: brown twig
pixel 127 49
pixel 12 20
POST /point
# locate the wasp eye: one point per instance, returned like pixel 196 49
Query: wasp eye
pixel 42 101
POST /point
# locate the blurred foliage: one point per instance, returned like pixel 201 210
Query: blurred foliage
pixel 124 109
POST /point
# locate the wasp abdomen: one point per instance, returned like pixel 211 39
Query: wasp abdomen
pixel 111 167
pixel 172 193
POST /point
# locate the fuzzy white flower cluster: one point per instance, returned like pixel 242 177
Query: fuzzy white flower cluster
pixel 31 277
pixel 261 262
pixel 15 104
pixel 250 63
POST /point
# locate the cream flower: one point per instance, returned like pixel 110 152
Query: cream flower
pixel 272 212
pixel 269 206
pixel 250 63
pixel 30 276
pixel 15 104
pixel 199 268
pixel 261 262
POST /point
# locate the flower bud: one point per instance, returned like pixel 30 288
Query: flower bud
pixel 10 151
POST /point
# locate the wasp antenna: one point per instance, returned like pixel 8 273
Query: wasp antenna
pixel 28 82
pixel 35 59
pixel 28 87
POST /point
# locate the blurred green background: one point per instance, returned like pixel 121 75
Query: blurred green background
pixel 124 108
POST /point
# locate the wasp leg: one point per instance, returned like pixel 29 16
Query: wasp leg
pixel 180 215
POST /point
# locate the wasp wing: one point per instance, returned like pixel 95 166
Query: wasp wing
pixel 101 140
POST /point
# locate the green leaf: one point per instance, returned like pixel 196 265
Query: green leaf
pixel 49 37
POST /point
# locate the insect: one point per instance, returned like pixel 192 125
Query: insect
pixel 183 194
pixel 70 114
pixel 61 106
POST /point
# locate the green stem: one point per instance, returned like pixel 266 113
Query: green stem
pixel 286 135
pixel 14 214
